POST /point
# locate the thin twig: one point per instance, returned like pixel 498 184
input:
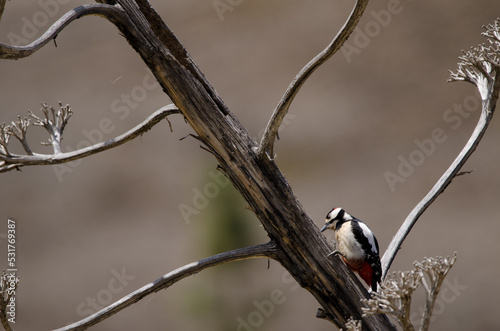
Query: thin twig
pixel 394 297
pixel 18 130
pixel 267 142
pixel 264 250
pixel 17 52
pixel 465 172
pixel 13 161
pixel 481 67
pixel 4 139
pixel 436 269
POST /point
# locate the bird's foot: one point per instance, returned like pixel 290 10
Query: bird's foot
pixel 336 253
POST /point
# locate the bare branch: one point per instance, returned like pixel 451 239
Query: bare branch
pixel 436 269
pixel 258 180
pixel 4 139
pixel 17 52
pixel 12 161
pixel 18 130
pixel 481 67
pixel 267 142
pixel 264 250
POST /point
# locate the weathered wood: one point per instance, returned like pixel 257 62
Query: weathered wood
pixel 263 250
pixel 302 249
pixel 14 161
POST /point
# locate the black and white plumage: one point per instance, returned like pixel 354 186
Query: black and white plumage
pixel 357 245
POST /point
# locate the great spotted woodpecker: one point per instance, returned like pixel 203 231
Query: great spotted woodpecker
pixel 357 245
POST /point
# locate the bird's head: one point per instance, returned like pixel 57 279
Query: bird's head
pixel 335 218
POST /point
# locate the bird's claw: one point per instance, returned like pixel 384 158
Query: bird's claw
pixel 335 253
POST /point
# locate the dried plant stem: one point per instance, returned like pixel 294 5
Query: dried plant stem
pixel 436 270
pixel 17 52
pixel 12 161
pixel 394 297
pixel 440 186
pixel 258 251
pixel 481 67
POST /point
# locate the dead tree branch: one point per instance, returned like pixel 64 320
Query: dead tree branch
pixel 302 249
pixel 9 161
pixel 18 52
pixel 436 270
pixel 264 250
pixel 267 142
pixel 481 67
pixel 395 295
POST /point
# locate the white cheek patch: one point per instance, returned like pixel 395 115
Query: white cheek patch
pixel 369 235
pixel 333 214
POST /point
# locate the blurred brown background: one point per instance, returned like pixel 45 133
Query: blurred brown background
pixel 95 230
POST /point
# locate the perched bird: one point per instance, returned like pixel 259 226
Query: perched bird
pixel 357 245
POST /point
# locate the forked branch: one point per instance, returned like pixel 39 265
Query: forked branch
pixel 267 142
pixel 9 161
pixel 436 270
pixel 481 67
pixel 17 52
pixel 54 125
pixel 264 250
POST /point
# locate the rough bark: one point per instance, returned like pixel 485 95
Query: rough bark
pixel 301 248
pixel 296 241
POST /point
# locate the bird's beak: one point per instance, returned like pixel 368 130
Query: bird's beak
pixel 325 227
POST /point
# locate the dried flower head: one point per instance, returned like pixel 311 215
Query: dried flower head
pixel 480 65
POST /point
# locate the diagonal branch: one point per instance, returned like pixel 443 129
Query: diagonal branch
pixel 2 7
pixel 12 161
pixel 261 183
pixel 439 187
pixel 17 52
pixel 267 142
pixel 481 67
pixel 268 250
